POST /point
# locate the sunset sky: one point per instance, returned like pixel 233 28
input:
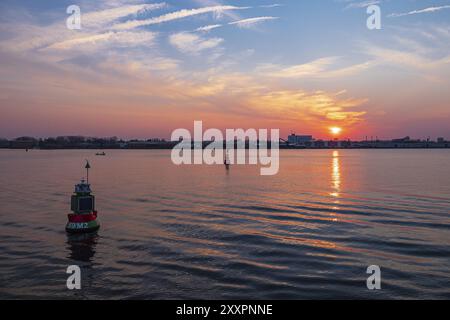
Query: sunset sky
pixel 140 69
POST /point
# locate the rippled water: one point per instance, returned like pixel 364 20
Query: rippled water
pixel 197 232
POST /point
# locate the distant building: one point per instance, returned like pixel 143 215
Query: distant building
pixel 402 140
pixel 4 143
pixel 24 143
pixel 440 140
pixel 300 139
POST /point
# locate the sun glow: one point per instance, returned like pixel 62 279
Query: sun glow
pixel 335 130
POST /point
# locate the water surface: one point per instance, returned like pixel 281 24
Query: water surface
pixel 198 232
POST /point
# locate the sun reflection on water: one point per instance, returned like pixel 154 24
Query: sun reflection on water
pixel 335 182
pixel 335 175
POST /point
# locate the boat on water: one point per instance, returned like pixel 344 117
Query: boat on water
pixel 100 154
pixel 227 161
pixel 83 218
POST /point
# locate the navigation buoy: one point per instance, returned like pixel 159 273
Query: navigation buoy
pixel 84 216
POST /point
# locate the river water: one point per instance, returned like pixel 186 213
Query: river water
pixel 199 232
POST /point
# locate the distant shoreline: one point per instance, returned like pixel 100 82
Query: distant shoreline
pixel 281 148
pixel 294 143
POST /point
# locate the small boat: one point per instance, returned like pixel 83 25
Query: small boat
pixel 100 154
pixel 227 161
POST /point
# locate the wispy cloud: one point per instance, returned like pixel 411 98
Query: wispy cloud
pixel 245 23
pixel 269 6
pixel 175 16
pixel 122 38
pixel 192 43
pixel 412 60
pixel 426 10
pixel 298 71
pixel 55 35
pixel 362 4
pixel 208 27
pixel 103 17
pixel 318 107
pixel 321 68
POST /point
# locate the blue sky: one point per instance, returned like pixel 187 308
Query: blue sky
pixel 144 68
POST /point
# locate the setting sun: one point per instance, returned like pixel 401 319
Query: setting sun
pixel 335 130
